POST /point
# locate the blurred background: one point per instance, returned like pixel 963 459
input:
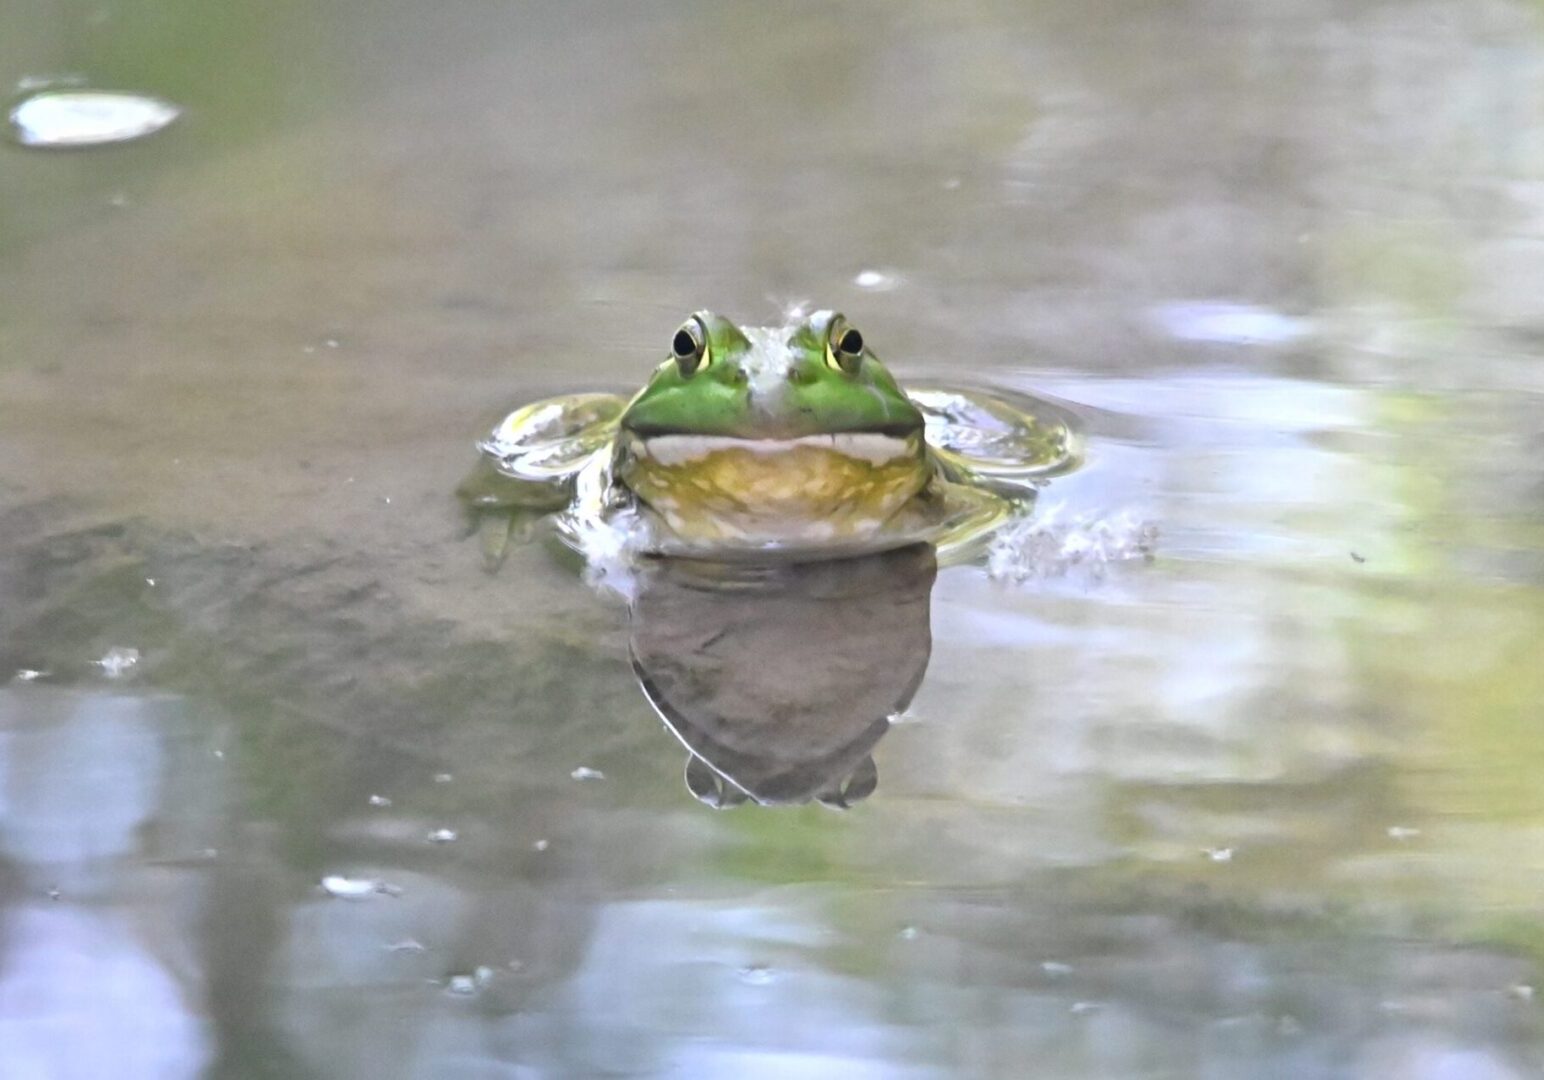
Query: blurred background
pixel 290 787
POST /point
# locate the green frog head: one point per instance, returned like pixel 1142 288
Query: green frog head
pixel 792 433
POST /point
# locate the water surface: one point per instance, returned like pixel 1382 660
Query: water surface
pixel 1267 806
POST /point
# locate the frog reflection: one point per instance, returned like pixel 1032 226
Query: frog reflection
pixel 780 680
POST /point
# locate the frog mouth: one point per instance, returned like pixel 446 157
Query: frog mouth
pixel 876 448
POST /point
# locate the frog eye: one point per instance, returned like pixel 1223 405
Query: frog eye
pixel 844 348
pixel 689 347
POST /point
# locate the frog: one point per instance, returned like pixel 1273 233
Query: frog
pixel 787 441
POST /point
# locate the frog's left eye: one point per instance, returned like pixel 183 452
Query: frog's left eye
pixel 689 347
pixel 844 347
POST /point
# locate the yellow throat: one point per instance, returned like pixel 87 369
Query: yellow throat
pixel 818 487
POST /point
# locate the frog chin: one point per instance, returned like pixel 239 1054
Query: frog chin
pixel 874 448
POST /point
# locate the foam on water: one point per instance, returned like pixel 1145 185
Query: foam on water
pixel 56 119
pixel 1058 544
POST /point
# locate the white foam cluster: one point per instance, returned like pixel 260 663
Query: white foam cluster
pixel 77 118
pixel 1055 544
pixel 767 361
pixel 610 544
pixel 608 537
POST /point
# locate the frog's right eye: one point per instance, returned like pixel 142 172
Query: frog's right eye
pixel 689 347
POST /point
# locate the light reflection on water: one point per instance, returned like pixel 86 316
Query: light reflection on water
pixel 79 777
pixel 1280 259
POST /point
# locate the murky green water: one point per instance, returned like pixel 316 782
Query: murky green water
pixel 1271 805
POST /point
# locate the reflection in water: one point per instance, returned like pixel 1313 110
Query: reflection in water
pixel 83 991
pixel 781 679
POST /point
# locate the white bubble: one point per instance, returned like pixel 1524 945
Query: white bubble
pixel 584 772
pixel 118 661
pixel 467 985
pixel 876 280
pixel 347 888
pixel 77 118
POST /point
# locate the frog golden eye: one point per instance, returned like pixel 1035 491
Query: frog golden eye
pixel 689 347
pixel 845 348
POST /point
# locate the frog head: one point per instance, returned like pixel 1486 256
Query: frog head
pixel 794 432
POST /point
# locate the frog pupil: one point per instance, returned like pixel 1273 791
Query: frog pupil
pixel 684 345
pixel 851 343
